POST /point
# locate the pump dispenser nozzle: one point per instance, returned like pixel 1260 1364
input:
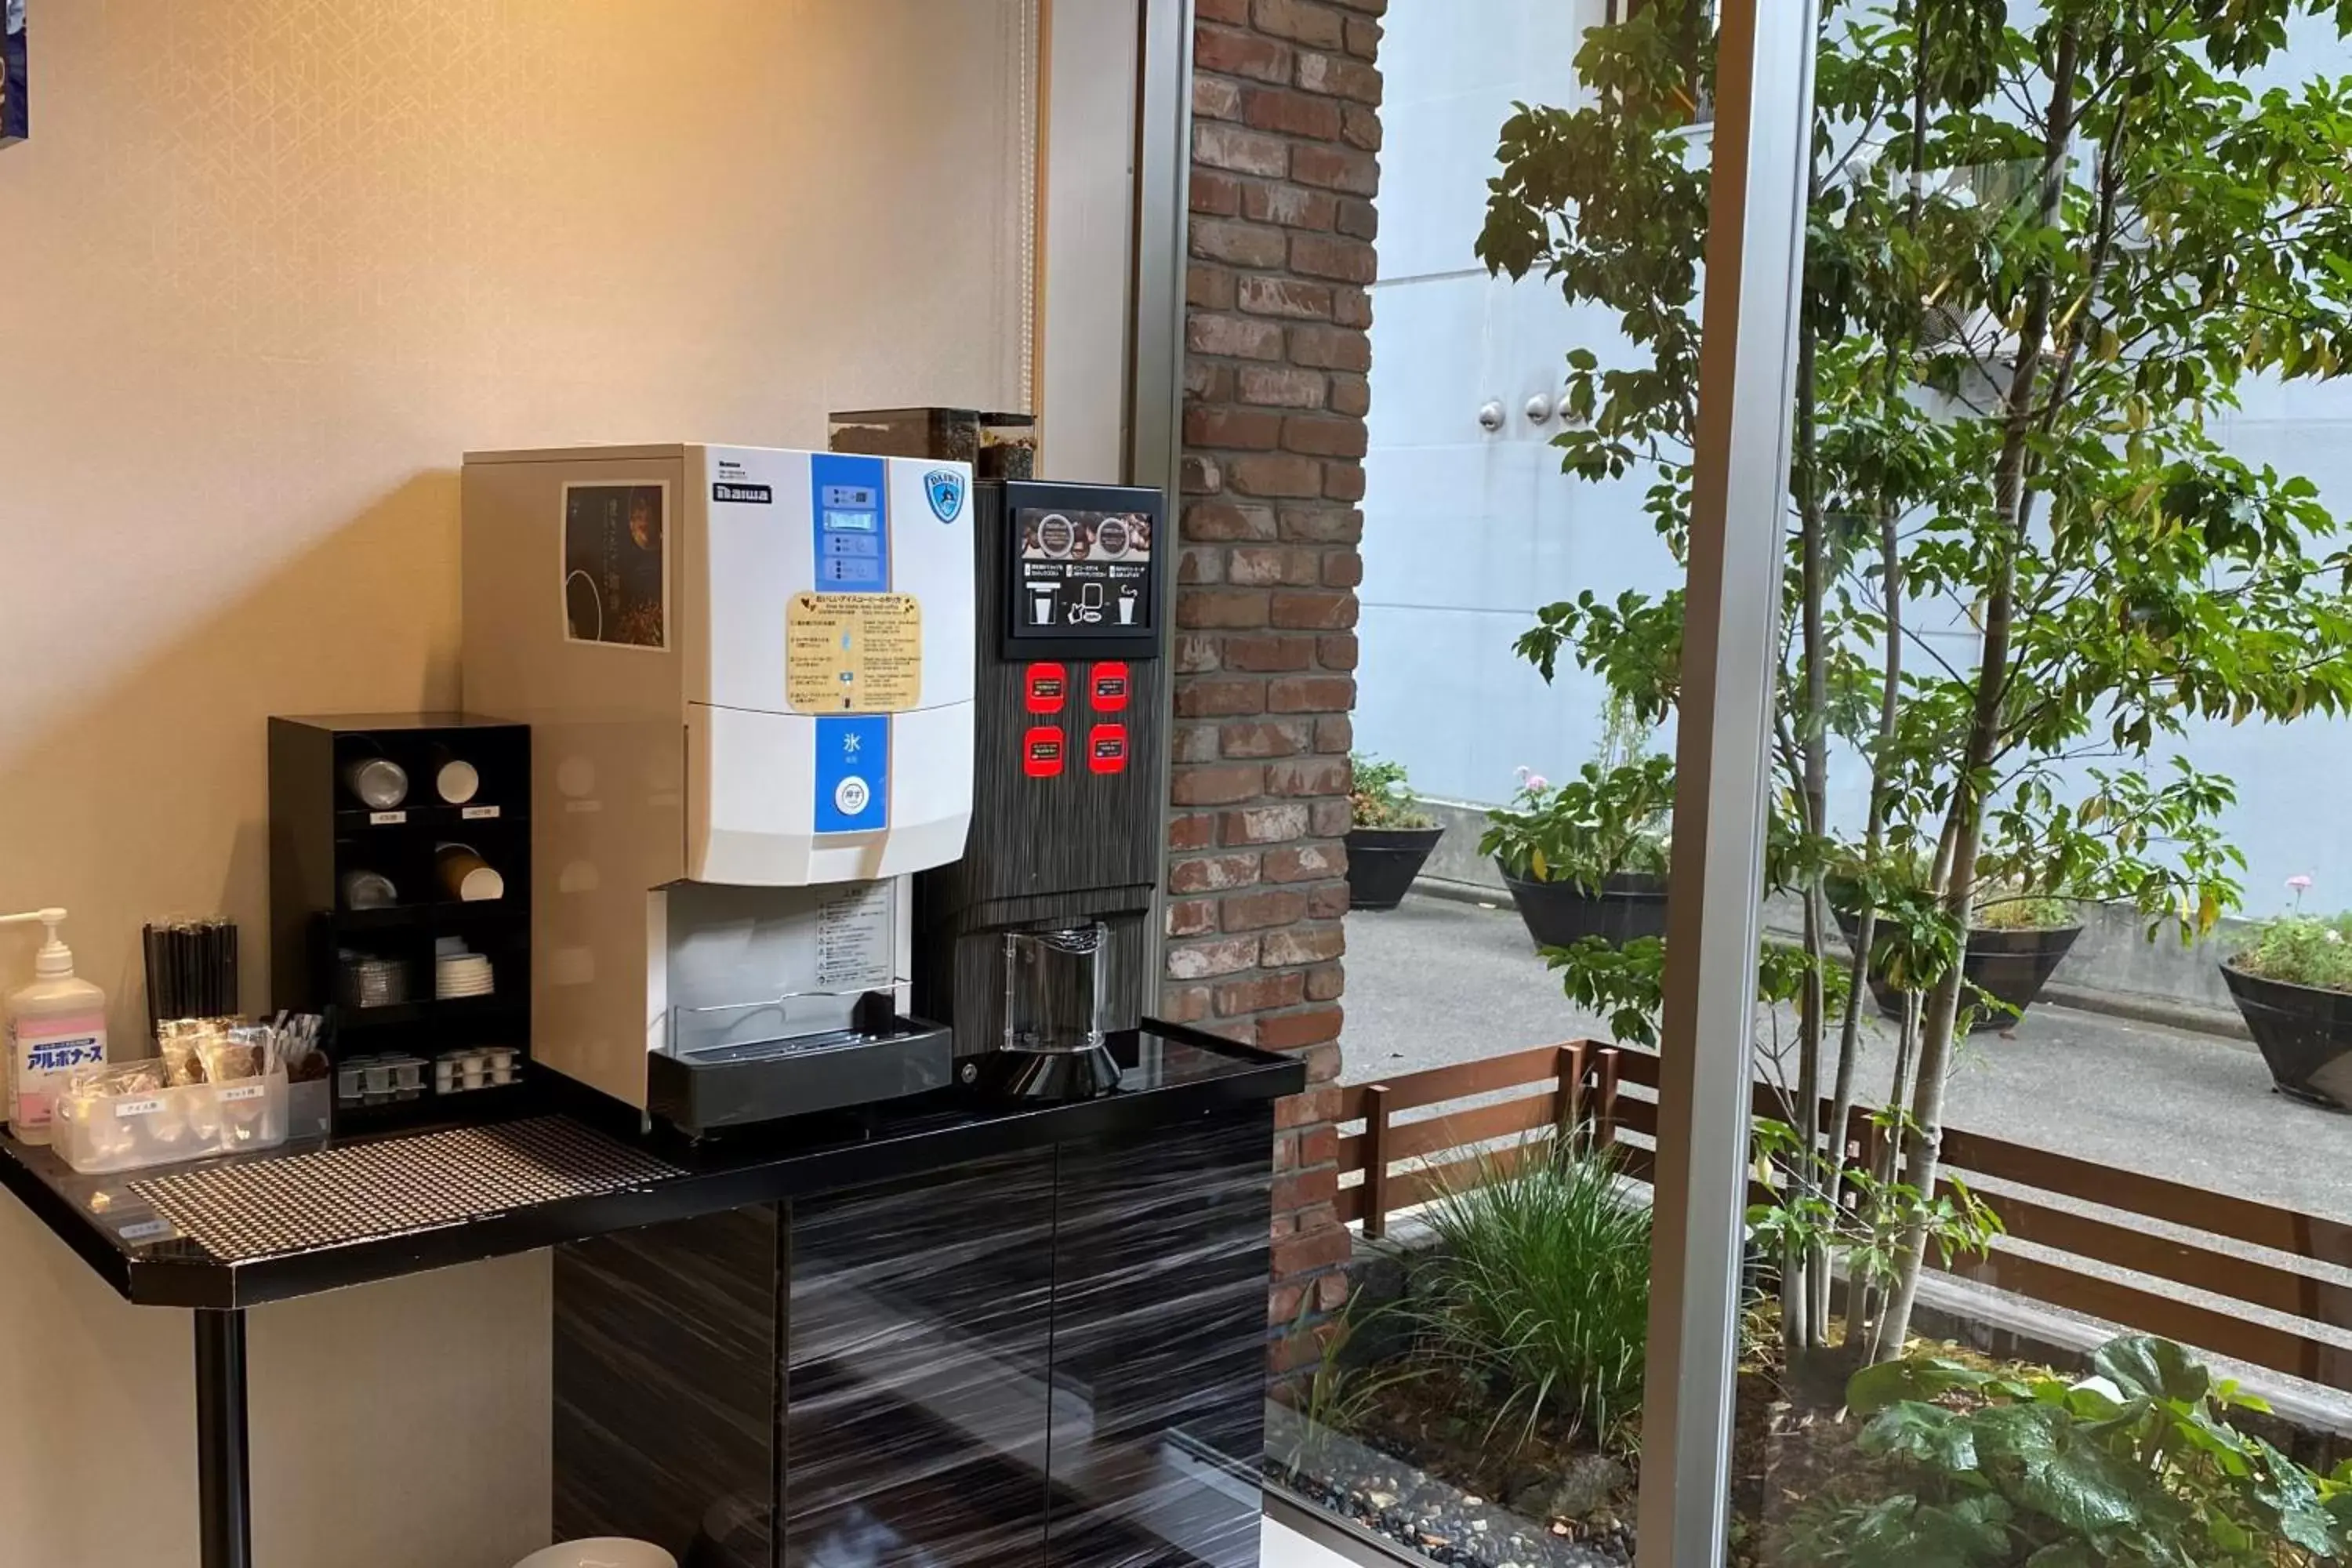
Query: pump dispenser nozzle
pixel 55 960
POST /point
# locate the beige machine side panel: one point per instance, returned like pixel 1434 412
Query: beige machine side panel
pixel 608 756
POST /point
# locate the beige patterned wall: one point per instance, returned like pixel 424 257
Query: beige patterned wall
pixel 267 268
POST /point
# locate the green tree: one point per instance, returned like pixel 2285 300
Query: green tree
pixel 2042 252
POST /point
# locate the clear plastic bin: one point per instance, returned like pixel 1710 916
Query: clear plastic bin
pixel 99 1132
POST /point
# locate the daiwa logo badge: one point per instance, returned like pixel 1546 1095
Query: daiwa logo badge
pixel 944 488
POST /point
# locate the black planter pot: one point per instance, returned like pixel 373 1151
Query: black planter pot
pixel 1562 914
pixel 2305 1033
pixel 1383 861
pixel 2012 966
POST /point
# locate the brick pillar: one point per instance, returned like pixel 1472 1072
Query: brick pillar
pixel 1286 101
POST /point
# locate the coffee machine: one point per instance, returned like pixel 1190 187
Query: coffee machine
pixel 749 675
pixel 1036 944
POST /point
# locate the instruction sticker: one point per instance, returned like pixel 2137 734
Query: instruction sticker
pixel 854 653
pixel 853 939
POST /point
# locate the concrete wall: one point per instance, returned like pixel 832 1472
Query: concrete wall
pixel 267 268
pixel 1467 532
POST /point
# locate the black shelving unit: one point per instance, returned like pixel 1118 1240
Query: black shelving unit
pixel 321 832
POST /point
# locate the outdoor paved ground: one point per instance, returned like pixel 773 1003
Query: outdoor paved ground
pixel 1439 981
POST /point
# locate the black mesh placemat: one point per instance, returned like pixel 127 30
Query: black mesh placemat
pixel 330 1198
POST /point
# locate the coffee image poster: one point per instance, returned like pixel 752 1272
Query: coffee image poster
pixel 615 564
pixel 1085 571
pixel 15 114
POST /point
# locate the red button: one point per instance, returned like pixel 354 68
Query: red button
pixel 1110 688
pixel 1040 751
pixel 1048 686
pixel 1106 749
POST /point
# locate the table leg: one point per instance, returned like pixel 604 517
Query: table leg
pixel 224 1497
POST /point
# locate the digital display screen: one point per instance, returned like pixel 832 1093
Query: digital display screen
pixel 1084 574
pixel 853 497
pixel 850 522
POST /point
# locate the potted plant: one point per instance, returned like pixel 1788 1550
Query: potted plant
pixel 2016 940
pixel 1588 858
pixel 2294 988
pixel 1390 836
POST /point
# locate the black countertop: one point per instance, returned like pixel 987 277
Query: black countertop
pixel 245 1230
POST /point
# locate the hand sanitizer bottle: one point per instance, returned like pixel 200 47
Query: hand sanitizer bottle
pixel 54 1024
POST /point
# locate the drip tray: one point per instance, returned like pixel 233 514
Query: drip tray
pixel 742 1083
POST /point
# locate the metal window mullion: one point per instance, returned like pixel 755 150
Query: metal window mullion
pixel 1755 257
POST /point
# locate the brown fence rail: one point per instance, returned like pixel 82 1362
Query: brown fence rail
pixel 1582 1083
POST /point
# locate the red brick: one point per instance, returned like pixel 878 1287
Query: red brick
pixel 1311 694
pixel 1267 738
pixel 1326 1246
pixel 1348 169
pixel 1191 917
pixel 1209 960
pixel 1195 830
pixel 1321 524
pixel 1328 818
pixel 1220 785
pixel 1302 1189
pixel 1252 244
pixel 1308 1027
pixel 1206 381
pixel 1194 653
pixel 1342 569
pixel 1360 127
pixel 1276 476
pixel 1289 780
pixel 1317 1104
pixel 1335 732
pixel 1268 654
pixel 1251 429
pixel 1332 1290
pixel 1303 944
pixel 1280 386
pixel 1284 1306
pixel 1318 1145
pixel 1190 1005
pixel 1291 296
pixel 1286 1151
pixel 1208 287
pixel 1200 475
pixel 1233 12
pixel 1362 37
pixel 1357 219
pixel 1337 75
pixel 1217 521
pixel 1319 27
pixel 1263 824
pixel 1200 564
pixel 1325 983
pixel 1329 901
pixel 1220 194
pixel 1313 612
pixel 1217 98
pixel 1293 206
pixel 1222 606
pixel 1306 862
pixel 1268 566
pixel 1349 395
pixel 1220 699
pixel 1331 438
pixel 1326 255
pixel 1232 337
pixel 1258 994
pixel 1350 307
pixel 1365 7
pixel 1195 743
pixel 1213 874
pixel 1231 52
pixel 1322 1061
pixel 1292 112
pixel 1338 651
pixel 1256 911
pixel 1330 348
pixel 1343 481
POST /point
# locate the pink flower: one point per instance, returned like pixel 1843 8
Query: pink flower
pixel 1538 782
pixel 2300 884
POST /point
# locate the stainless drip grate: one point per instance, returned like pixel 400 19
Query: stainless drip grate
pixel 330 1198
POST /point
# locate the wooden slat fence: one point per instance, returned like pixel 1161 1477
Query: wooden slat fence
pixel 1583 1083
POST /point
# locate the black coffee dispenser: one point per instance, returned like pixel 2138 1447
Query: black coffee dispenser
pixel 1035 946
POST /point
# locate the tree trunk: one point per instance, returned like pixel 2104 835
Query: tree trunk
pixel 1964 821
pixel 1807 1326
